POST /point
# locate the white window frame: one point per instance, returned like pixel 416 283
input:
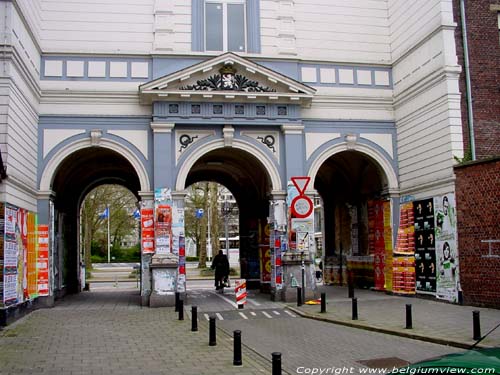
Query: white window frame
pixel 224 4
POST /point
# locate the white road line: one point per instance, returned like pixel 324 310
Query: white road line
pixel 243 315
pixel 227 300
pixel 289 313
pixel 266 314
pixel 206 316
pixel 276 312
pixel 219 316
pixel 252 313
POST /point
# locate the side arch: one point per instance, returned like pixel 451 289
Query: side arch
pixel 65 151
pixel 267 163
pixel 383 162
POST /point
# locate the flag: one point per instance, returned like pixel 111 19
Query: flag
pixel 136 214
pixel 104 214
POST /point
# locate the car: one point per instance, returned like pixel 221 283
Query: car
pixel 477 361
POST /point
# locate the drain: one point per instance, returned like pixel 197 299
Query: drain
pixel 390 362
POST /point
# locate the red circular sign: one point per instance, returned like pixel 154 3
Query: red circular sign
pixel 302 206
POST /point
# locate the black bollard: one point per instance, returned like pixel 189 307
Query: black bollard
pixel 323 302
pixel 409 323
pixel 181 309
pixel 194 318
pixel 213 338
pixel 354 309
pixel 299 296
pixel 276 363
pixel 350 289
pixel 177 299
pixel 237 361
pixel 476 325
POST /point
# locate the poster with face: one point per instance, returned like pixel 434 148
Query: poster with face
pixel 448 281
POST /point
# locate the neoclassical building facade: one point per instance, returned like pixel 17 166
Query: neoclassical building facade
pixel 360 97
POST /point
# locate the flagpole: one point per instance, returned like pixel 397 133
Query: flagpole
pixel 109 250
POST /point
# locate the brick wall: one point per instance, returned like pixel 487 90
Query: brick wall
pixel 484 55
pixel 478 218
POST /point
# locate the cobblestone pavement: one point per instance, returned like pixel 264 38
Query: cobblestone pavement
pixel 433 320
pixel 109 333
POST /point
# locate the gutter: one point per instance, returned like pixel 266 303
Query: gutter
pixel 470 112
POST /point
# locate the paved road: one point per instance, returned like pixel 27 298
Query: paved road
pixel 267 327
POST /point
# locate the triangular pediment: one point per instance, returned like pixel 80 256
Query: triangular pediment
pixel 226 77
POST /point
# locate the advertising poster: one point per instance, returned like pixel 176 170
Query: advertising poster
pixel 376 241
pixel 31 265
pixel 2 235
pixel 43 260
pixel 11 258
pixel 405 243
pixel 163 230
pixel 388 246
pixel 446 248
pixel 147 231
pixel 425 246
pixel 403 272
pixel 265 264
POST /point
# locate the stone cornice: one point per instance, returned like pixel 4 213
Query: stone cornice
pixel 162 127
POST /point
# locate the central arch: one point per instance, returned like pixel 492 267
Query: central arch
pixel 268 164
pixel 250 177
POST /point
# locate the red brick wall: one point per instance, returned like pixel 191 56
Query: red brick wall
pixel 478 218
pixel 484 56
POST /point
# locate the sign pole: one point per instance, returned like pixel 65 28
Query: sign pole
pixel 109 243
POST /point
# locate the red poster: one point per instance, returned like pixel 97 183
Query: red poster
pixel 147 231
pixel 43 260
pixel 32 256
pixel 265 264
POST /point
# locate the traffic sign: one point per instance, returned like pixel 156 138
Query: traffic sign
pixel 301 183
pixel 302 206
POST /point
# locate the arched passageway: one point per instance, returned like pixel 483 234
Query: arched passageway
pixel 348 182
pixel 74 178
pixel 245 176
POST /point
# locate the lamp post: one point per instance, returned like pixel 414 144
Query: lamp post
pixel 109 242
pixel 226 210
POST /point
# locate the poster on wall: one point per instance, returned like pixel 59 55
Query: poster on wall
pixel 147 231
pixel 11 258
pixel 2 234
pixel 448 282
pixel 43 260
pixel 31 264
pixel 163 221
pixel 425 246
pixel 405 243
pixel 388 246
pixel 376 241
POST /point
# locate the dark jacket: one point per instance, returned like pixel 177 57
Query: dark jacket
pixel 221 265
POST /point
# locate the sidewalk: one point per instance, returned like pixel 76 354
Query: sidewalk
pixel 109 333
pixel 432 320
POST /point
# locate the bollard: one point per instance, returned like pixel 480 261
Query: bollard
pixel 237 361
pixel 177 299
pixel 299 296
pixel 212 336
pixel 354 309
pixel 350 289
pixel 181 309
pixel 476 325
pixel 409 324
pixel 194 318
pixel 323 302
pixel 276 363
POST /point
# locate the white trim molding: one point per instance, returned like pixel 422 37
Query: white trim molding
pixel 52 165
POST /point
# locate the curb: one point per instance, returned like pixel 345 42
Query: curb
pixel 367 327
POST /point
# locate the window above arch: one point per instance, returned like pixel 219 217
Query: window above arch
pixel 225 25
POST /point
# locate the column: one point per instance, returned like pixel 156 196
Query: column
pixel 45 217
pixel 146 204
pixel 163 154
pixel 179 240
pixel 294 149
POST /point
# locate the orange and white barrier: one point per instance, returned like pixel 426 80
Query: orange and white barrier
pixel 241 293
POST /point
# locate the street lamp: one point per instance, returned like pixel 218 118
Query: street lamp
pixel 226 210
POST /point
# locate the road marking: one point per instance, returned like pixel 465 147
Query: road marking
pixel 289 313
pixel 206 316
pixel 266 314
pixel 276 312
pixel 219 316
pixel 252 313
pixel 226 299
pixel 243 315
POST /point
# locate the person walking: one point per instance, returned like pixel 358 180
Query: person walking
pixel 220 264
